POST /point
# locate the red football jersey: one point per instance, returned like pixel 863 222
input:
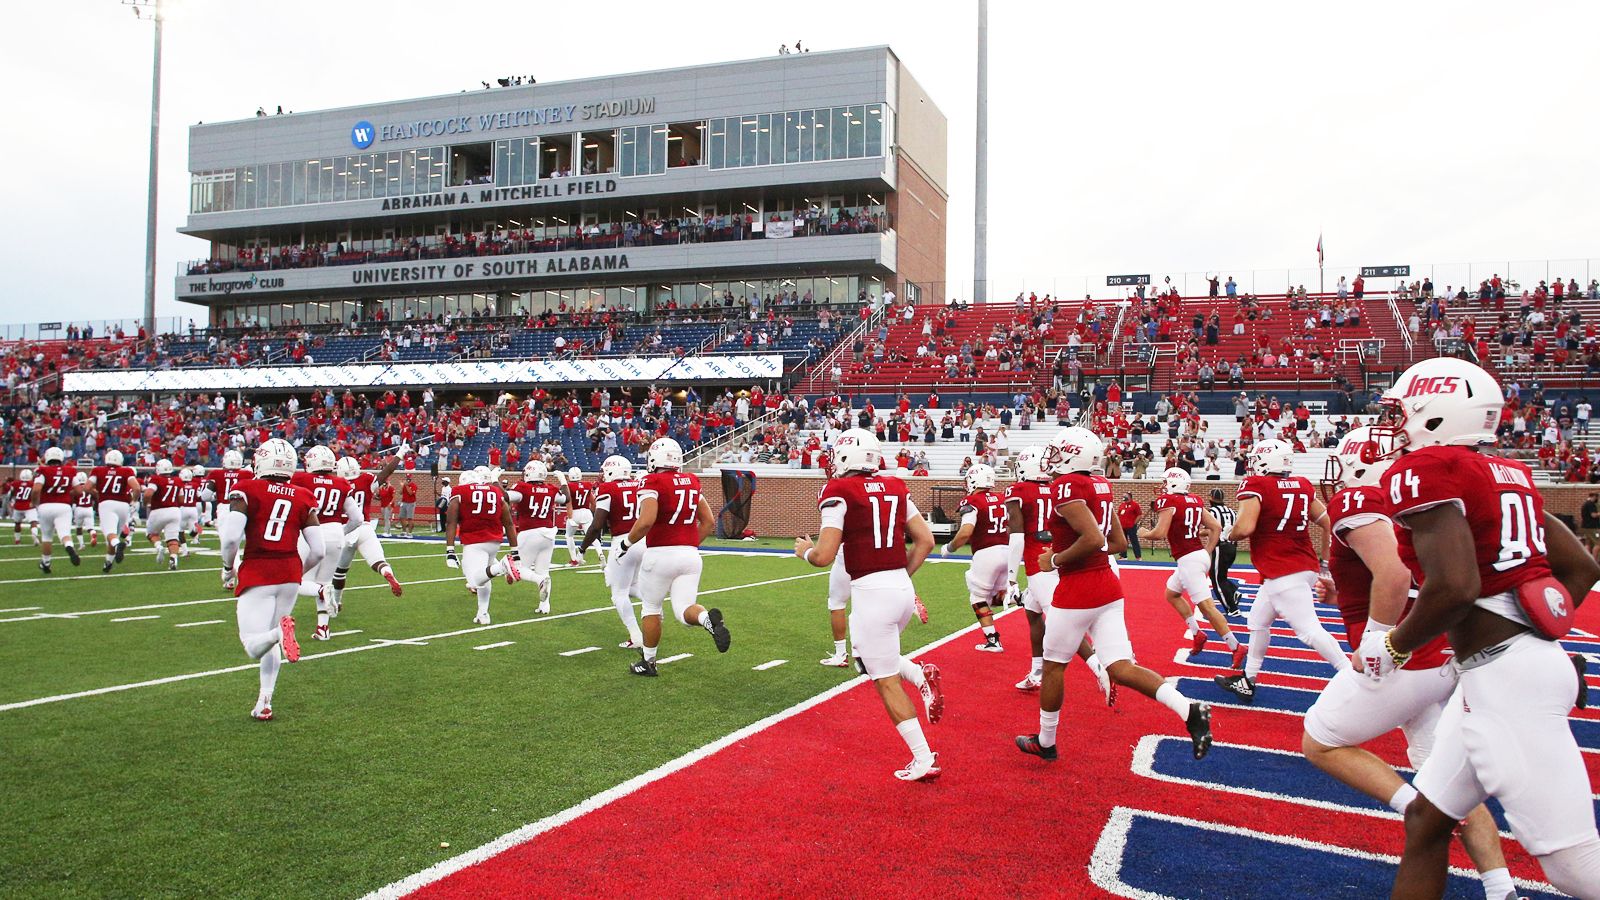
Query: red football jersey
pixel 223 481
pixel 620 500
pixel 580 494
pixel 168 492
pixel 330 492
pixel 1091 583
pixel 57 483
pixel 1498 499
pixel 1036 499
pixel 677 502
pixel 85 500
pixel 189 492
pixel 274 513
pixel 1186 533
pixel 876 509
pixel 1281 543
pixel 990 525
pixel 113 482
pixel 1352 508
pixel 361 490
pixel 21 495
pixel 478 509
pixel 537 508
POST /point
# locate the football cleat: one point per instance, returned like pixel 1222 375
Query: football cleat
pixel 1199 724
pixel 919 609
pixel 481 619
pixel 122 547
pixel 924 770
pixel 932 693
pixel 161 553
pixel 1029 744
pixel 1238 685
pixel 291 646
pixel 719 631
pixel 642 666
pixel 1239 653
pixel 1230 600
pixel 172 564
pixel 544 596
pixel 321 634
pixel 44 567
pixel 837 661
pixel 394 583
pixel 106 568
pixel 991 644
pixel 574 562
pixel 1199 642
pixel 514 573
pixel 1107 686
pixel 261 714
pixel 630 644
pixel 1029 682
pixel 72 554
pixel 1581 663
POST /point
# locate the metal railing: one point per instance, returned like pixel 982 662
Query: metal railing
pixel 714 447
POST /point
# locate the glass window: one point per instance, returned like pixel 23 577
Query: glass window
pixel 747 140
pixel 408 172
pixel 341 175
pixel 625 151
pixel 297 174
pixel 274 185
pixel 792 133
pixel 764 140
pixel 858 132
pixel 715 142
pixel 874 128
pixel 840 132
pixel 819 134
pixel 658 149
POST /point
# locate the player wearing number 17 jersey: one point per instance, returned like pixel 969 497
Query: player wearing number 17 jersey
pixel 616 508
pixel 1276 512
pixel 1088 597
pixel 984 525
pixel 674 518
pixel 1501 577
pixel 871 517
pixel 269 519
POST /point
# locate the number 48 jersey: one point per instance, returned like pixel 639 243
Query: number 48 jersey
pixel 1498 500
pixel 1281 542
pixel 677 496
pixel 871 512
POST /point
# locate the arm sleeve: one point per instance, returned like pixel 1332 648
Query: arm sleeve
pixel 354 515
pixel 315 549
pixel 969 515
pixel 1014 554
pixel 231 530
pixel 911 509
pixel 602 502
pixel 833 515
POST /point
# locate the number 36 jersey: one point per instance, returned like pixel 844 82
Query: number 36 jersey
pixel 871 511
pixel 1497 498
pixel 1281 542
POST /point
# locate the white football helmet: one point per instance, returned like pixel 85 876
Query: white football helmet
pixel 232 459
pixel 54 455
pixel 25 476
pixel 113 457
pixel 483 475
pixel 1074 449
pixel 163 467
pixel 1030 464
pixel 857 450
pixel 1176 480
pixel 199 470
pixel 348 468
pixel 1441 402
pixel 468 476
pixel 1271 457
pixel 575 473
pixel 320 459
pixel 980 478
pixel 275 458
pixel 664 454
pixel 616 468
pixel 1356 462
pixel 186 474
pixel 535 470
pixel 80 479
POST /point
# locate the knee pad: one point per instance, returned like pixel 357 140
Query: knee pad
pixel 1575 870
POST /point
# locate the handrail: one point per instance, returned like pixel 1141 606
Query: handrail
pixel 713 446
pixel 1401 325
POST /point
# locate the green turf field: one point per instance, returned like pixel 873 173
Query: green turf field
pixel 381 753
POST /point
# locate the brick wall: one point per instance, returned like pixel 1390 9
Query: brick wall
pixel 918 210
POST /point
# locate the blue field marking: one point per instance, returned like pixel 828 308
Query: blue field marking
pixel 1272 665
pixel 1154 856
pixel 1269 698
pixel 1587 731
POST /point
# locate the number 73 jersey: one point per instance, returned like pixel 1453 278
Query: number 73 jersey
pixel 1281 542
pixel 1497 498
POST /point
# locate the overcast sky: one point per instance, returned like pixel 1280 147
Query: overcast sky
pixel 1124 137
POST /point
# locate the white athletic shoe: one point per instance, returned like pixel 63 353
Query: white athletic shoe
pixel 631 644
pixel 838 661
pixel 544 597
pixel 925 770
pixel 1029 682
pixel 482 619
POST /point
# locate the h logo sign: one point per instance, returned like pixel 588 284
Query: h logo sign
pixel 362 134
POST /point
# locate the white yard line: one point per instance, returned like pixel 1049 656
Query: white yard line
pixel 135 618
pixel 578 652
pixel 494 645
pixel 344 633
pixel 194 624
pixel 21 609
pixel 674 658
pixel 769 665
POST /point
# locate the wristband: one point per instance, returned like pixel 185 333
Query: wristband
pixel 1400 659
pixel 807 555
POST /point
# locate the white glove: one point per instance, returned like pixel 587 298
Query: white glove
pixel 350 538
pixel 622 548
pixel 451 560
pixel 230 579
pixel 1013 593
pixel 1372 656
pixel 403 451
pixel 947 551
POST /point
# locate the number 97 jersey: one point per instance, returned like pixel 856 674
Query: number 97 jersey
pixel 1498 500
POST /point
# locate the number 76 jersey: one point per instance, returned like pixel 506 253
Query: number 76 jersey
pixel 1497 498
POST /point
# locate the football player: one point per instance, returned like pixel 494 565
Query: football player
pixel 338 515
pixel 1088 598
pixel 221 482
pixel 269 519
pixel 1504 731
pixel 674 518
pixel 479 514
pixel 365 537
pixel 205 499
pixel 616 508
pixel 22 494
pixel 1276 512
pixel 115 485
pixel 534 509
pixel 984 525
pixel 580 512
pixel 189 517
pixel 872 517
pixel 1192 532
pixel 83 510
pixel 57 494
pixel 163 495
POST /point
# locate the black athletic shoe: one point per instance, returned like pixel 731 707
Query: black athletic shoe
pixel 1029 744
pixel 1581 663
pixel 122 547
pixel 719 631
pixel 642 666
pixel 44 567
pixel 72 554
pixel 1238 685
pixel 106 569
pixel 1199 723
pixel 1230 598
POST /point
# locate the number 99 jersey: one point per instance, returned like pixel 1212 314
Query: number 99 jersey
pixel 274 512
pixel 1498 500
pixel 871 512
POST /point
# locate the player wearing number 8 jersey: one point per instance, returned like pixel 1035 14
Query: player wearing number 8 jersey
pixel 1504 730
pixel 269 519
pixel 673 518
pixel 533 504
pixel 871 517
pixel 616 508
pixel 1191 531
pixel 1276 512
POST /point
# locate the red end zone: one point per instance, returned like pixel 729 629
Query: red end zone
pixel 809 805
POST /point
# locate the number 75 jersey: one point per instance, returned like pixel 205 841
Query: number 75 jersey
pixel 1497 498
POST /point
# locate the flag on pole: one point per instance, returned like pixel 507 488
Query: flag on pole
pixel 1319 250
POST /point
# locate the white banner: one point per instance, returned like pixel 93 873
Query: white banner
pixel 780 229
pixel 418 375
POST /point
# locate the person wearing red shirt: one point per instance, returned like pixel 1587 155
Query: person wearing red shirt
pixel 56 493
pixel 533 504
pixel 616 508
pixel 339 516
pixel 984 525
pixel 408 504
pixel 163 494
pixel 478 513
pixel 870 518
pixel 1128 513
pixel 365 537
pixel 1191 532
pixel 386 510
pixel 674 518
pixel 83 510
pixel 580 512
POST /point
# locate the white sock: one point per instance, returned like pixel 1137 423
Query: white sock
pixel 650 653
pixel 1095 665
pixel 483 600
pixel 1233 642
pixel 1402 798
pixel 497 568
pixel 838 648
pixel 1047 727
pixel 624 606
pixel 322 619
pixel 1038 667
pixel 46 558
pixel 705 619
pixel 1173 699
pixel 1497 884
pixel 912 672
pixel 338 595
pixel 384 570
pixel 989 630
pixel 911 732
pixel 1194 619
pixel 271 661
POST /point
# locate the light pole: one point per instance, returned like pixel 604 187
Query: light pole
pixel 152 9
pixel 980 192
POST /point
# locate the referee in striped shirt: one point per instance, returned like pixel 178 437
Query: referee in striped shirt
pixel 1226 588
